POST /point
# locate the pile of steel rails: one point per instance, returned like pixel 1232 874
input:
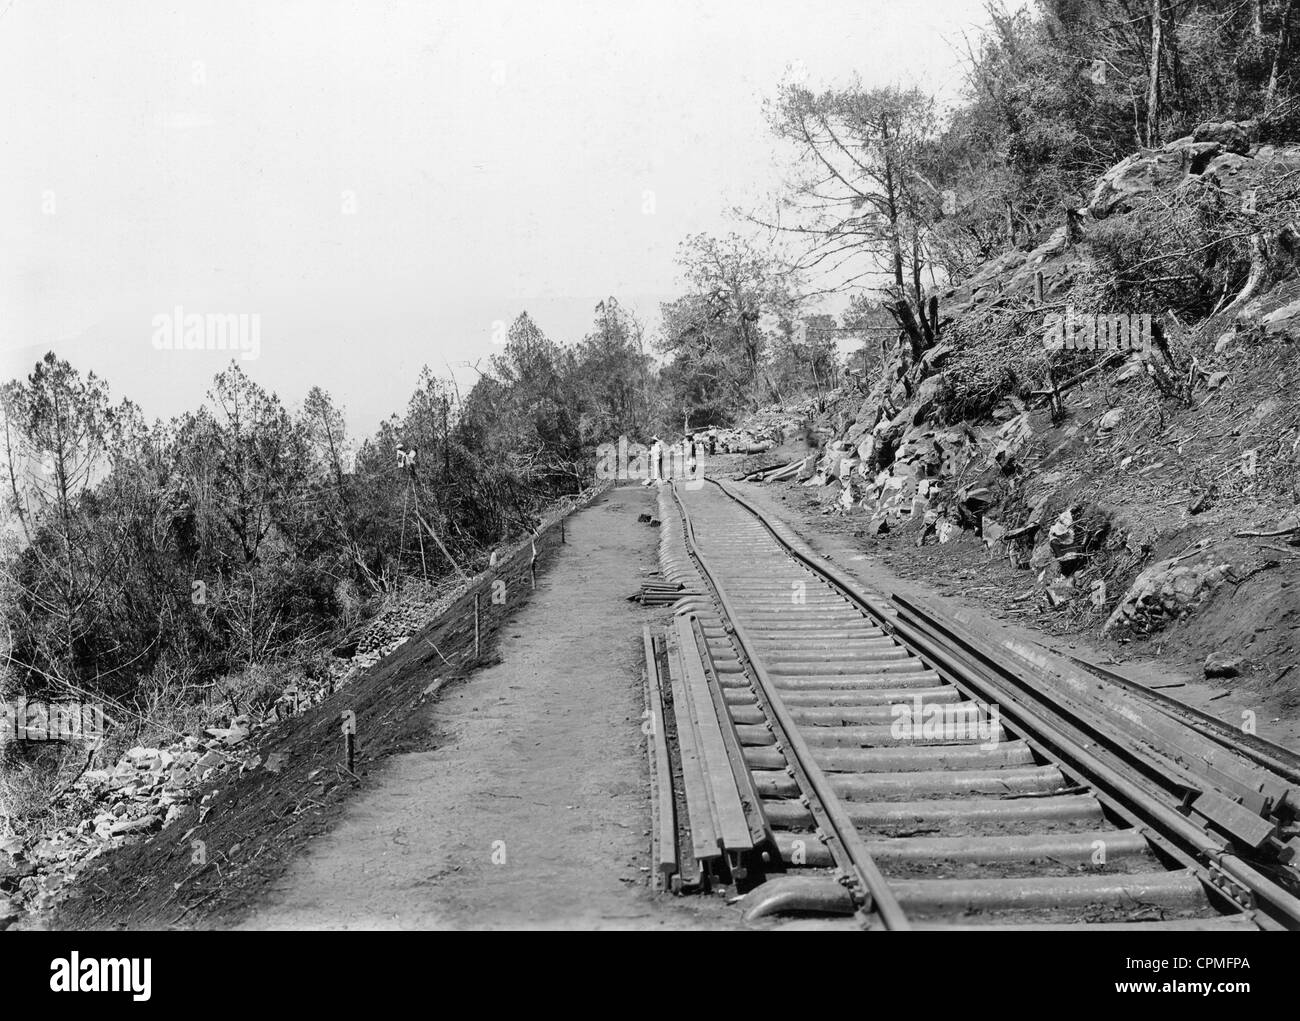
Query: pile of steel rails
pixel 772 472
pixel 658 593
pixel 830 751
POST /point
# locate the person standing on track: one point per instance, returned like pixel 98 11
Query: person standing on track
pixel 656 460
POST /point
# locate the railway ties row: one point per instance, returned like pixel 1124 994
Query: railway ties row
pixel 876 782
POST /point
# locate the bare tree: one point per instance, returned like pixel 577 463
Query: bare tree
pixel 861 200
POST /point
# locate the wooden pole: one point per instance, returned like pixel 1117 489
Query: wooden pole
pixel 350 738
pixel 401 540
pixel 415 495
pixel 445 552
pixel 1058 409
pixel 1055 393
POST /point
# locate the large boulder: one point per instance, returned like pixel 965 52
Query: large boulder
pixel 1282 323
pixel 1148 171
pixel 1231 173
pixel 927 398
pixel 1233 136
pixel 1164 592
pixel 1010 439
pixel 1223 664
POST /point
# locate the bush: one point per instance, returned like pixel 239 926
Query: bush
pixel 1187 252
pixel 32 778
pixel 996 355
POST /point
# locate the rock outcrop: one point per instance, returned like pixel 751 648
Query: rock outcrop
pixel 895 456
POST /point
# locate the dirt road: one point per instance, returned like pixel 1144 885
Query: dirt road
pixel 534 809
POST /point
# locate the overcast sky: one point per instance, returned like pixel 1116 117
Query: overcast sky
pixel 382 183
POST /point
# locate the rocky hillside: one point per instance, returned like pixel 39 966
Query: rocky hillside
pixel 1143 495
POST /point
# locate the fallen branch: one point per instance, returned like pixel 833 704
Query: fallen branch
pixel 1111 359
pixel 1251 534
pixel 445 553
pixel 1258 272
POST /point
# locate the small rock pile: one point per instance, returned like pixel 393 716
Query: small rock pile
pixel 148 788
pixel 403 615
pixel 393 624
pixel 346 670
pixel 769 427
pixel 1163 592
pixel 144 792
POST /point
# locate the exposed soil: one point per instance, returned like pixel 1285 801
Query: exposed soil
pixel 533 808
pixel 513 791
pixel 417 700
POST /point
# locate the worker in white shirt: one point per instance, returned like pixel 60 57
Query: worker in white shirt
pixel 405 457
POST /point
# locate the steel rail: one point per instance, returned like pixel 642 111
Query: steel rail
pixel 1271 756
pixel 1100 773
pixel 1158 754
pixel 871 881
pixel 1261 751
pixel 1282 903
pixel 1168 819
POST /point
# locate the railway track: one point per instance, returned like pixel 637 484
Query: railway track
pixel 868 760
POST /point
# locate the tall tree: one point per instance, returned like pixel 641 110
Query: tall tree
pixel 612 376
pixel 860 197
pixel 1153 86
pixel 58 429
pixel 739 292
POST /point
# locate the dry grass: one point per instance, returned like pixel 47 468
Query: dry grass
pixel 33 782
